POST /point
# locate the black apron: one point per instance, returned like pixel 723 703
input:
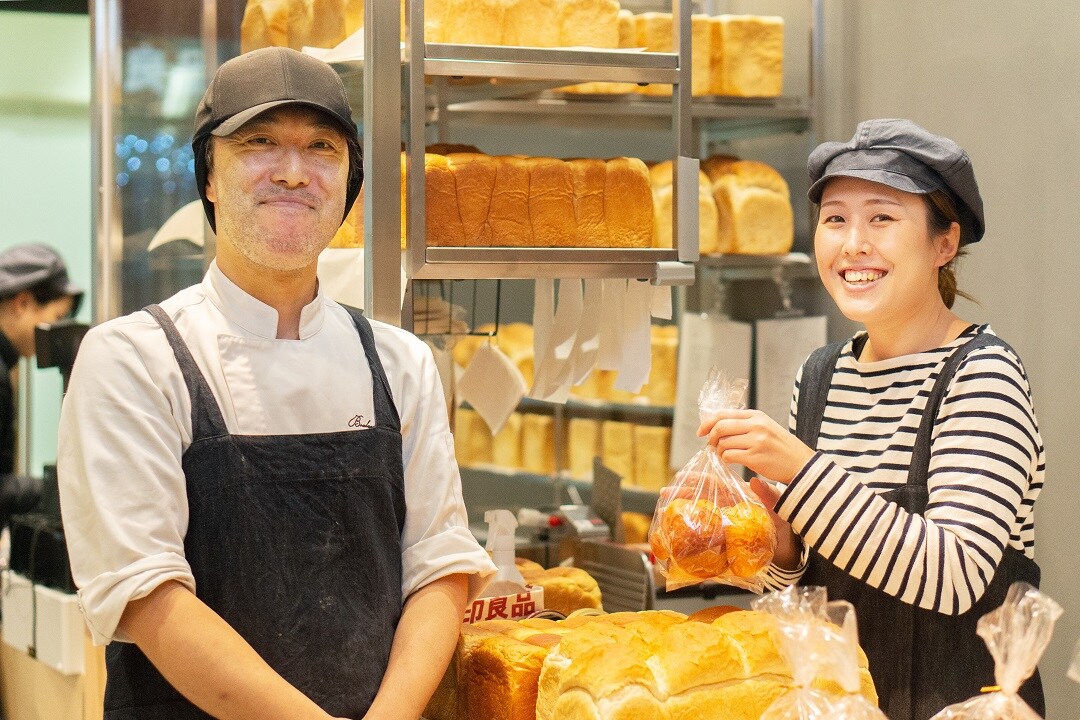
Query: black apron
pixel 295 540
pixel 920 660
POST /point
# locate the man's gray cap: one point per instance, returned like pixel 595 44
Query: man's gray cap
pixel 26 266
pixel 902 155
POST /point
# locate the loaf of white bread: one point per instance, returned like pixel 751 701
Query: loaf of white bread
pixel 650 665
pixel 530 23
pixel 478 200
pixel 732 55
pixel 663 200
pixel 566 589
pixel 753 206
pixel 744 207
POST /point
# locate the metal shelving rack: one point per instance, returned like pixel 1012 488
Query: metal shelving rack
pixel 383 137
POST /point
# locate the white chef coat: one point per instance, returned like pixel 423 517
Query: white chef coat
pixel 126 422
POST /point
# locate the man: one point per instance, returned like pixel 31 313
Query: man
pixel 259 490
pixel 34 289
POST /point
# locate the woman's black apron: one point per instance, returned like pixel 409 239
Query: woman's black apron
pixel 920 660
pixel 295 540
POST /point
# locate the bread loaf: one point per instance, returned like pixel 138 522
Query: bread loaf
pixel 618 449
pixel 663 202
pixel 472 438
pixel 588 23
pixel 636 527
pixel 627 39
pixel 628 204
pixel 551 203
pixel 566 589
pixel 474 22
pixel 660 387
pixel 655 33
pixel 531 23
pixel 538 444
pixel 697 540
pixel 506 444
pixel 443 218
pixel 684 670
pixel 588 178
pixel 583 439
pixel 652 450
pixel 510 223
pixel 748 57
pixel 753 206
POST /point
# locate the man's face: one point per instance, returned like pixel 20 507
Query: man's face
pixel 278 185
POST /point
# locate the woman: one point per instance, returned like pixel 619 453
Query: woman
pixel 34 289
pixel 917 459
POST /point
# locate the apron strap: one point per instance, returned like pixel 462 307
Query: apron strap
pixel 206 419
pixel 919 469
pixel 814 386
pixel 386 413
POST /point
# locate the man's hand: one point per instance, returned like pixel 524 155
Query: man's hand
pixel 423 644
pixel 753 439
pixel 208 662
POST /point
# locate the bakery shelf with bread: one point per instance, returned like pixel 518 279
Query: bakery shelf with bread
pixel 630 432
pixel 648 665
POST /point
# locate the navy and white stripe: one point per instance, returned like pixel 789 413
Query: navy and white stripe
pixel 986 471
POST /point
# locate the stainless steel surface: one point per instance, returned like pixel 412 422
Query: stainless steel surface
pixel 105 87
pixel 551 56
pixel 624 575
pixel 758 267
pixel 674 273
pixel 684 205
pixel 549 71
pixel 416 192
pixel 382 161
pixel 541 255
pixel 686 213
pixel 518 263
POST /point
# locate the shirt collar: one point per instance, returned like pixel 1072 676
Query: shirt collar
pixel 255 316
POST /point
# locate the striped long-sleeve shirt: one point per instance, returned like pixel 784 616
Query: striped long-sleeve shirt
pixel 986 470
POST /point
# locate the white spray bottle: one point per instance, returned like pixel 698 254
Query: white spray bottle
pixel 501 545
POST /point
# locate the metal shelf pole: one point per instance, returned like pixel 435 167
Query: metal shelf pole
pixel 382 161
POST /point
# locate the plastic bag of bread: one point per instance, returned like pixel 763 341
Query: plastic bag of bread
pixel 708 524
pixel 1016 634
pixel 820 642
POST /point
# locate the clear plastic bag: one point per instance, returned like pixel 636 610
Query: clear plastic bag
pixel 708 524
pixel 820 642
pixel 1016 634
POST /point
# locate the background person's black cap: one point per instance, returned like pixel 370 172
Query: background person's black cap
pixel 260 80
pixel 23 267
pixel 902 155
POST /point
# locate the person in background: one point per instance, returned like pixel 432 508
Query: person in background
pixel 34 289
pixel 258 485
pixel 910 474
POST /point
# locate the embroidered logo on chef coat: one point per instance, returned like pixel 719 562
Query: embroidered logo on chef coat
pixel 359 421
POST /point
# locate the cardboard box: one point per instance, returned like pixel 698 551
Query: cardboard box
pixel 58 639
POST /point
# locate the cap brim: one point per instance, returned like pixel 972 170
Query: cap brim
pixel 896 180
pixel 237 121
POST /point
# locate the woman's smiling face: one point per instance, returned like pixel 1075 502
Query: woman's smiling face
pixel 875 254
